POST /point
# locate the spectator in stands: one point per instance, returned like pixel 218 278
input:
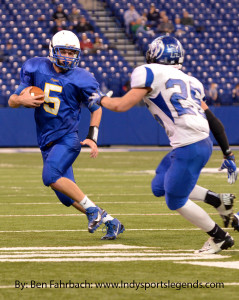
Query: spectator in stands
pixel 74 17
pixel 162 14
pixel 60 14
pixel 235 94
pixel 98 43
pixel 153 16
pixel 179 28
pixel 187 20
pixel 212 95
pixel 85 43
pixel 58 26
pixel 144 17
pixel 166 26
pixel 7 52
pixel 140 26
pixel 130 17
pixel 84 26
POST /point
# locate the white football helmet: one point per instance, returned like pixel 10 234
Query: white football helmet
pixel 64 39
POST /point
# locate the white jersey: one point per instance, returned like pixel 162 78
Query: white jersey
pixel 174 101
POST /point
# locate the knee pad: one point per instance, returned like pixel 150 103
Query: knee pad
pixel 49 174
pixel 175 202
pixel 170 204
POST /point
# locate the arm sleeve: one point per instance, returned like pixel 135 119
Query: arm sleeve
pixel 218 131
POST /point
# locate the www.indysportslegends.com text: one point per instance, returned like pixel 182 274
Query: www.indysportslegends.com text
pixel 59 284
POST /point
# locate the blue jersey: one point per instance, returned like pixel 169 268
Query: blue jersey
pixel 64 95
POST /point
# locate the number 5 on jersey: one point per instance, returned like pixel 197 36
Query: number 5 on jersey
pixel 54 100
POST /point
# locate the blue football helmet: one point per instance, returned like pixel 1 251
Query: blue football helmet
pixel 64 40
pixel 165 50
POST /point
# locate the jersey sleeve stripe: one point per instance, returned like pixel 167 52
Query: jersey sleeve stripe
pixel 149 77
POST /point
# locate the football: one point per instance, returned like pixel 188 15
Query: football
pixel 35 91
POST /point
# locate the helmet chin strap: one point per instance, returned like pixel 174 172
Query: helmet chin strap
pixel 61 66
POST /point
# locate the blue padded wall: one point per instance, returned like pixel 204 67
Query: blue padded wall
pixel 135 127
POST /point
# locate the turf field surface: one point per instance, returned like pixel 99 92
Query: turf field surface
pixel 47 252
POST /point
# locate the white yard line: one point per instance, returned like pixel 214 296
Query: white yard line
pixel 112 259
pixel 103 247
pixel 106 149
pixel 87 150
pixel 89 194
pixel 108 253
pixel 85 230
pixel 81 254
pixel 95 256
pixel 59 203
pixel 82 215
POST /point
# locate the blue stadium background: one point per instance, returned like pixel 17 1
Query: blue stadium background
pixel 211 56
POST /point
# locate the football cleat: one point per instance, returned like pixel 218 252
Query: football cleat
pixel 95 217
pixel 225 209
pixel 213 245
pixel 235 221
pixel 114 228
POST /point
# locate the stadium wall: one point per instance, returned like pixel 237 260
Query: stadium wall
pixel 135 127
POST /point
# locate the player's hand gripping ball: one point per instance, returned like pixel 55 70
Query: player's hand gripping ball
pixel 35 91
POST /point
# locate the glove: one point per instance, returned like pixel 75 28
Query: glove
pixel 230 165
pixel 96 97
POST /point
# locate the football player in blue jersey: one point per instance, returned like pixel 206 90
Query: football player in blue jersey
pixel 176 100
pixel 66 87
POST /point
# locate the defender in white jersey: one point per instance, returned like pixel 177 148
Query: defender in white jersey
pixel 174 99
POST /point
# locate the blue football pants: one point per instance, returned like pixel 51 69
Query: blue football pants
pixel 58 160
pixel 178 172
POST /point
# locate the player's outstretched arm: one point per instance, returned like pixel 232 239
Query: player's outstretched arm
pixel 219 133
pixel 25 99
pixel 120 104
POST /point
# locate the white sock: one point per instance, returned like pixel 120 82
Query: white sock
pixel 107 218
pixel 86 203
pixel 198 193
pixel 197 216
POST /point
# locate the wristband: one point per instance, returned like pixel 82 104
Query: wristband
pixel 99 103
pixel 93 133
pixel 228 152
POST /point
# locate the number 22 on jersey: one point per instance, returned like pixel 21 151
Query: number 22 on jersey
pixel 55 101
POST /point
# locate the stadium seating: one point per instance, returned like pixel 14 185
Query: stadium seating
pixel 31 37
pixel 211 55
